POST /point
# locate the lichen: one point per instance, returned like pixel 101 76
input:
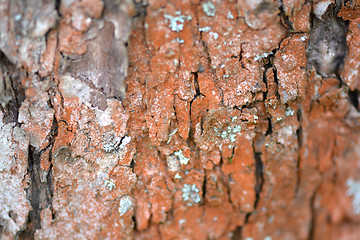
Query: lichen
pixel 182 221
pixel 176 23
pixel 354 191
pixel 264 55
pixel 125 205
pixel 190 194
pixel 230 16
pixel 289 112
pixel 180 41
pixel 109 146
pixel 183 160
pixel 214 34
pixel 205 29
pixel 209 9
pixel 109 184
pixel 230 133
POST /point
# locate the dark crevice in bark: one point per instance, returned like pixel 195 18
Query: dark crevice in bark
pixel 41 191
pixel 205 50
pixel 12 94
pixel 299 139
pixel 354 98
pixel 313 217
pixel 196 86
pixel 197 94
pixel 267 64
pixel 276 78
pixel 133 218
pixel 259 176
pixel 57 5
pixel 140 7
pixel 49 177
pixel 37 195
pixel 204 190
pixel 269 131
pixel 284 19
pixel 237 234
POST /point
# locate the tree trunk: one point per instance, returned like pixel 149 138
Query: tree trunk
pixel 179 119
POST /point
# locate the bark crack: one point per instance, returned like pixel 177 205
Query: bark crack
pixel 41 191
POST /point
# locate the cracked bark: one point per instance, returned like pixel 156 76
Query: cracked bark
pixel 225 132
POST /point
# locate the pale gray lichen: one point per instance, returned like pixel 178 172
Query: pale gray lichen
pixel 230 133
pixel 289 112
pixel 109 184
pixel 180 41
pixel 125 205
pixel 264 55
pixel 183 160
pixel 209 9
pixel 182 221
pixel 18 17
pixel 214 34
pixel 230 16
pixel 354 191
pixel 176 23
pixel 267 238
pixel 190 194
pixel 279 119
pixel 205 29
pixel 110 147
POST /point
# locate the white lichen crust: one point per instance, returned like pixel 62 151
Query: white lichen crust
pixel 190 194
pixel 354 191
pixel 125 205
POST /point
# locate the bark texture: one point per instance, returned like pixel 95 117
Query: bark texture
pixel 168 119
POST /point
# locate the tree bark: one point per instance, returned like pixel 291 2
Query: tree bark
pixel 179 119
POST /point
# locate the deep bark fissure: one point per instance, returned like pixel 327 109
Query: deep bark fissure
pixel 354 98
pixel 237 234
pixel 299 137
pixel 41 190
pixel 204 189
pixel 140 7
pixel 284 17
pixel 313 217
pixel 12 93
pixel 259 177
pixel 269 131
pixel 57 5
pixel 36 195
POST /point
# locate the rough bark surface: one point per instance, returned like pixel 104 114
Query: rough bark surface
pixel 168 119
